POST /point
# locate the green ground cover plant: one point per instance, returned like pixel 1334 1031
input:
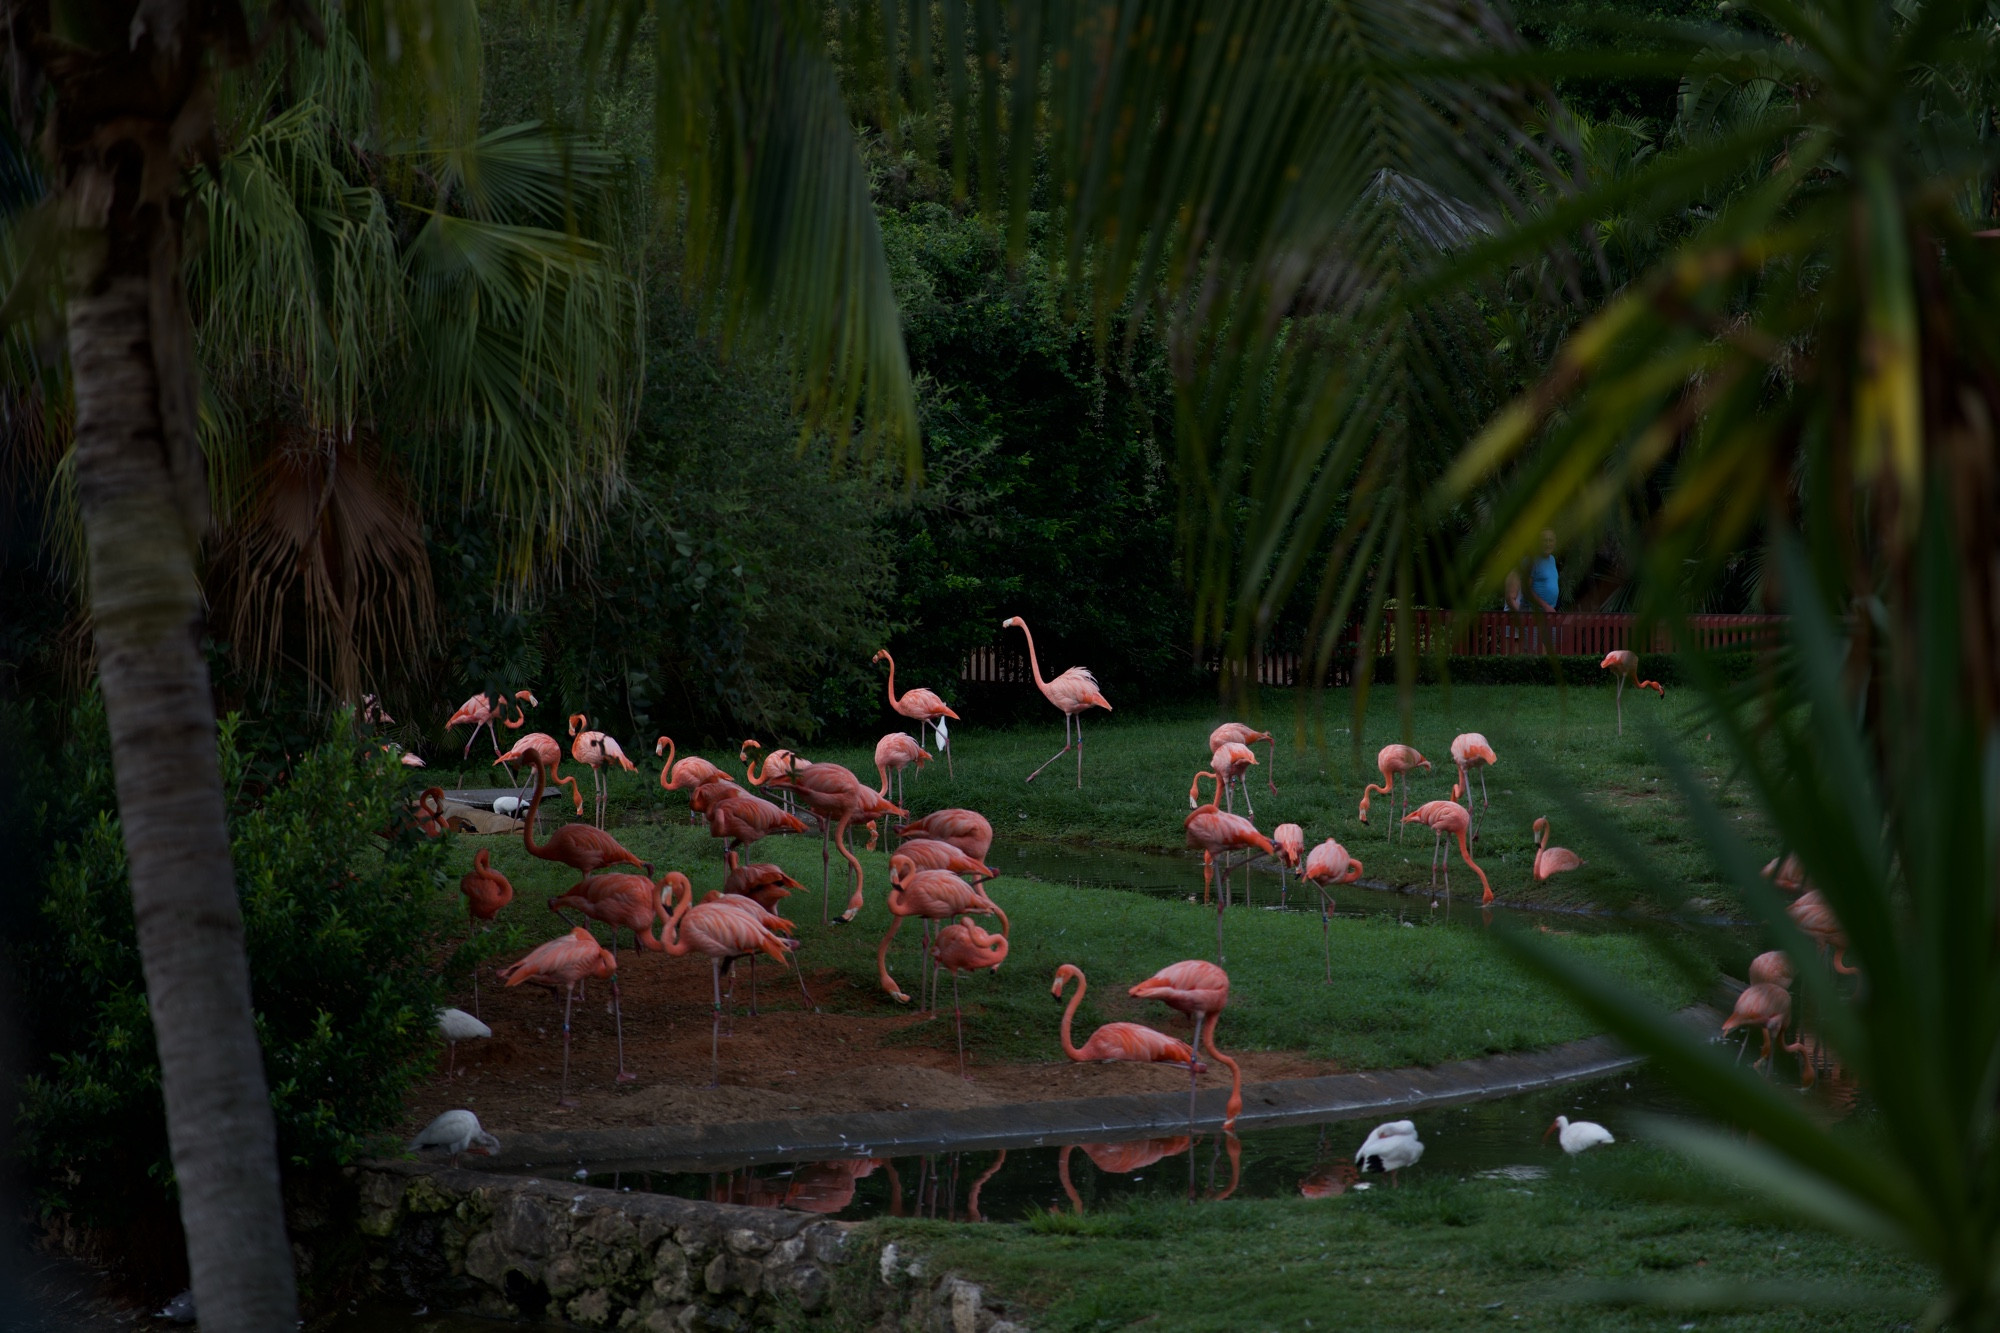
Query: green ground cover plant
pixel 1437 1253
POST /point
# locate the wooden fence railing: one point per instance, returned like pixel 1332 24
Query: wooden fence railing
pixel 1480 634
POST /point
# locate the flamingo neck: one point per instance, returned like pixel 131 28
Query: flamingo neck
pixel 1034 665
pixel 1235 1072
pixel 671 941
pixel 1069 1014
pixel 892 679
pixel 534 808
pixel 666 769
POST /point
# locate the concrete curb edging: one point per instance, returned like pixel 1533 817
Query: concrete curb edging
pixel 1331 1097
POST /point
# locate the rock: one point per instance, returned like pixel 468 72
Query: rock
pixel 525 1229
pixel 486 1261
pixel 179 1310
pixel 809 1286
pixel 733 1272
pixel 966 1299
pixel 827 1242
pixel 592 1309
pixel 742 1240
pixel 670 1272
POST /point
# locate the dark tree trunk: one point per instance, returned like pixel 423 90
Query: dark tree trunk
pixel 141 489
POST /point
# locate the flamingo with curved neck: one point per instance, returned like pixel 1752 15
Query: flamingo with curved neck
pixel 1117 1041
pixel 924 707
pixel 1073 691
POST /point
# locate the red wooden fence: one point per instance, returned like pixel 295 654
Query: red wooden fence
pixel 1479 634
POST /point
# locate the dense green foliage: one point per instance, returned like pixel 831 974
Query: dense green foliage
pixel 339 931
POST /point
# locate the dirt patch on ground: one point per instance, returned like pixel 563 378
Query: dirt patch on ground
pixel 782 1063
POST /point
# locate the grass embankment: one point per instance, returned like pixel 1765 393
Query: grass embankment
pixel 1401 995
pixel 1434 1254
pixel 1551 742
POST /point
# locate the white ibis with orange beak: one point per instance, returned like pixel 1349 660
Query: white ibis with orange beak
pixel 1577 1135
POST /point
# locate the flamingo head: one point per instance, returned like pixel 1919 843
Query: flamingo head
pixel 1484 754
pixel 577 721
pixel 880 653
pixel 529 695
pixel 900 868
pixel 872 836
pixel 660 745
pixel 1364 807
pixel 1012 622
pixel 1541 825
pixel 1063 976
pixel 673 886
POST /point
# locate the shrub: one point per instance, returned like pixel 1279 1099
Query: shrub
pixel 339 925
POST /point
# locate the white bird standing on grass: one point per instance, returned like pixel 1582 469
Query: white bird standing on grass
pixel 1391 1147
pixel 1579 1135
pixel 455 1132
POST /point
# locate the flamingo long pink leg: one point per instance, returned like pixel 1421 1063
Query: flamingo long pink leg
pixel 715 1026
pixel 569 1000
pixel 1059 754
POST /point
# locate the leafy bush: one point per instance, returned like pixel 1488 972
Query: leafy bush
pixel 339 927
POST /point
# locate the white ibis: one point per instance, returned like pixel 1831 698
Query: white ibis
pixel 1578 1135
pixel 455 1132
pixel 455 1026
pixel 1391 1147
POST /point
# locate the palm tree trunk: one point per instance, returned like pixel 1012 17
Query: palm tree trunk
pixel 142 498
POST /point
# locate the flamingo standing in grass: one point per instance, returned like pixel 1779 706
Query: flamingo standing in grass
pixel 1467 752
pixel 776 764
pixel 539 745
pixel 1768 1008
pixel 1551 860
pixel 1200 990
pixel 1443 817
pixel 581 847
pixel 1216 833
pixel 1244 735
pixel 596 749
pixel 1393 760
pixel 1625 663
pixel 772 922
pixel 620 901
pixel 742 819
pixel 486 891
pixel 1073 691
pixel 566 961
pixel 963 946
pixel 1812 916
pixel 720 933
pixel 931 854
pixel 1290 842
pixel 481 710
pixel 894 753
pixel 839 799
pixel 1326 865
pixel 923 707
pixel 765 884
pixel 934 895
pixel 1117 1041
pixel 688 773
pixel 966 830
pixel 1231 762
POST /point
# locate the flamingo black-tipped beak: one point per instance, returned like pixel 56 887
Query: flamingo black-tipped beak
pixel 845 918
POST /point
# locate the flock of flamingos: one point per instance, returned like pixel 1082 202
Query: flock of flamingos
pixel 939 873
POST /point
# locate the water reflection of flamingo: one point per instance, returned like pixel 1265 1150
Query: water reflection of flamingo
pixel 972 1198
pixel 1200 990
pixel 828 1187
pixel 1118 1159
pixel 1331 1180
pixel 1326 865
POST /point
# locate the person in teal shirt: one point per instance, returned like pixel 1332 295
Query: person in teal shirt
pixel 1542 573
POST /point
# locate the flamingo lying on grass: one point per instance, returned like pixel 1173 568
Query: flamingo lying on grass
pixel 1551 860
pixel 1117 1041
pixel 966 830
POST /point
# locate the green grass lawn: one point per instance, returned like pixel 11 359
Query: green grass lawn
pixel 1437 1253
pixel 1551 743
pixel 1402 995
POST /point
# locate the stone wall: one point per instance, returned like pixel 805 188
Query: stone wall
pixel 511 1247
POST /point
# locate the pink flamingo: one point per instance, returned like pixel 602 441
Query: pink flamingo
pixel 566 961
pixel 966 830
pixel 720 933
pixel 1290 842
pixel 708 795
pixel 772 922
pixel 839 799
pixel 1118 1159
pixel 1769 1008
pixel 1216 833
pixel 963 946
pixel 765 884
pixel 1326 865
pixel 1394 760
pixel 581 847
pixel 742 819
pixel 486 891
pixel 1443 817
pixel 690 772
pixel 1812 916
pixel 1244 735
pixel 1551 860
pixel 621 901
pixel 596 749
pixel 777 764
pixel 1117 1041
pixel 1200 990
pixel 1771 969
pixel 934 895
pixel 1073 691
pixel 1471 751
pixel 481 710
pixel 931 854
pixel 894 753
pixel 1625 663
pixel 1230 762
pixel 1788 873
pixel 922 707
